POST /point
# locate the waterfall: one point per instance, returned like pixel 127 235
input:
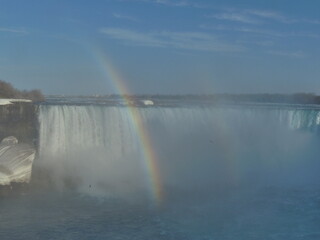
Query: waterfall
pixel 98 147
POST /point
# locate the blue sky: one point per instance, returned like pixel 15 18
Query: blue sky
pixel 161 46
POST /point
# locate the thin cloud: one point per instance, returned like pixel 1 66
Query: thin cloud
pixel 261 43
pixel 236 17
pixel 13 30
pixel 125 17
pixel 180 40
pixel 279 34
pixel 172 3
pixel 260 31
pixel 257 16
pixel 263 32
pixel 271 15
pixel 245 30
pixel 276 16
pixel 178 3
pixel 132 37
pixel 311 21
pixel 297 54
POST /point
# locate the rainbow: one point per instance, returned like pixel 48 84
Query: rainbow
pixel 150 157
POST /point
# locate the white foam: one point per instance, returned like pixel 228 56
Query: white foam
pixel 15 161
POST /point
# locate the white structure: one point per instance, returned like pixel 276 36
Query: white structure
pixel 148 102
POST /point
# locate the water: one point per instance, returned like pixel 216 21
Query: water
pixel 227 172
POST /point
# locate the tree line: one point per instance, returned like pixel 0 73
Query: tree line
pixel 296 98
pixel 8 91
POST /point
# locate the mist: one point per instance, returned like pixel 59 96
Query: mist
pixel 96 150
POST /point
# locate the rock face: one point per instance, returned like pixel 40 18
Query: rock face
pixel 18 132
pixel 20 120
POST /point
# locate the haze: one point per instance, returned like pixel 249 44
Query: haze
pixel 161 46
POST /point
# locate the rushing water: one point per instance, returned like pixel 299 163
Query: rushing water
pixel 232 172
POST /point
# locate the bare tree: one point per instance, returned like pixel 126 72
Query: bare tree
pixel 8 91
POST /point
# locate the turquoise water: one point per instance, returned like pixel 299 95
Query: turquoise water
pixel 267 214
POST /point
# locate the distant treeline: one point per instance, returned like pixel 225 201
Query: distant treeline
pixel 297 98
pixel 8 91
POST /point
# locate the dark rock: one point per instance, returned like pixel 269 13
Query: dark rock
pixel 19 120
